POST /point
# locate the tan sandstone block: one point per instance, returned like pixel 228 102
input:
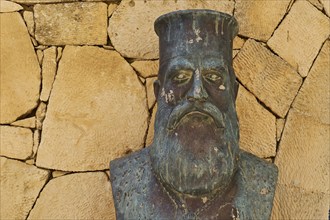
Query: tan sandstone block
pixel 97 111
pixel 258 19
pixel 279 128
pixel 300 36
pixel 19 69
pixel 326 6
pixel 317 4
pixel 151 130
pixel 40 115
pixel 26 123
pixel 58 173
pixel 48 72
pixel 16 142
pixel 20 186
pixel 257 126
pixel 131 27
pixel 296 203
pixel 76 196
pixel 71 23
pixel 150 91
pixel 59 53
pixel 32 2
pixel 8 6
pixel 272 80
pixel 111 8
pixel 238 43
pixel 29 21
pixel 146 68
pixel 313 98
pixel 40 56
pixel 303 156
pixel 36 142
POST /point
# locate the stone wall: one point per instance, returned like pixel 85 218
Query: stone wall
pixel 76 92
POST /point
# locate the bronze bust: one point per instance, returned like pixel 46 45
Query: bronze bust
pixel 194 168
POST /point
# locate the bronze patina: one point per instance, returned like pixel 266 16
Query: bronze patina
pixel 194 168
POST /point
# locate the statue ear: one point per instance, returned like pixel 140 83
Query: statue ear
pixel 156 88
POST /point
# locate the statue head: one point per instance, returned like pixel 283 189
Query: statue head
pixel 195 148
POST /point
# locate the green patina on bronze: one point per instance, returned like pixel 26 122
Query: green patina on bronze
pixel 194 168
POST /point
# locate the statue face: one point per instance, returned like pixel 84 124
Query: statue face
pixel 196 133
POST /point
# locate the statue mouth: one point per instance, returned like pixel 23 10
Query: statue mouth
pixel 204 113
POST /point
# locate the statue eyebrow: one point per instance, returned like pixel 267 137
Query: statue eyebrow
pixel 179 63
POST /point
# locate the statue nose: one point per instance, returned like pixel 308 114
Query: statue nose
pixel 197 91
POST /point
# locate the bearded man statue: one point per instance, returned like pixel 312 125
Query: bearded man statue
pixel 194 168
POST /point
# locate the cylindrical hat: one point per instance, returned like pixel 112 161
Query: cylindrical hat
pixel 189 32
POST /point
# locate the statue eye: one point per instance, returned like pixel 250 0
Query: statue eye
pixel 182 76
pixel 212 77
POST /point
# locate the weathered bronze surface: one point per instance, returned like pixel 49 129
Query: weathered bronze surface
pixel 194 169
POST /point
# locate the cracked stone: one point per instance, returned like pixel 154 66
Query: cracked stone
pixel 29 21
pixel 20 70
pixel 146 68
pixel 279 128
pixel 267 76
pixel 326 6
pixel 249 15
pixel 131 27
pixel 48 72
pixel 20 186
pixel 40 115
pixel 257 126
pixel 97 111
pixel 150 91
pixel 300 36
pixel 317 4
pixel 40 56
pixel 71 23
pixel 27 123
pixel 150 135
pixel 8 6
pixel 303 156
pixel 65 197
pixel 297 203
pixel 16 142
pixel 111 8
pixel 313 98
pixel 59 53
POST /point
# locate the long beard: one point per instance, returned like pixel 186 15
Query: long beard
pixel 197 157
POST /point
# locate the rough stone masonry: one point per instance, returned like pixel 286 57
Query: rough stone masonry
pixel 76 93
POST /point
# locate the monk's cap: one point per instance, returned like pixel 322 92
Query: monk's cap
pixel 186 32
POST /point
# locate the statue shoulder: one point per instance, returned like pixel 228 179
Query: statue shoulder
pixel 256 182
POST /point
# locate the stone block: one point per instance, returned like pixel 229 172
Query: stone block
pixel 71 23
pixel 150 91
pixel 151 130
pixel 296 203
pixel 20 187
pixel 313 98
pixel 300 36
pixel 76 196
pixel 258 19
pixel 29 21
pixel 257 126
pixel 303 156
pixel 8 6
pixel 19 70
pixel 16 142
pixel 273 81
pixel 131 27
pixel 146 68
pixel 49 67
pixel 26 122
pixel 97 111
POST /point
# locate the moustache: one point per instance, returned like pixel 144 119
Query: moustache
pixel 185 108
